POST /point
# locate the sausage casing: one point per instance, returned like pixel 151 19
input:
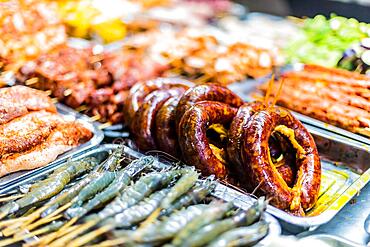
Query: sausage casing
pixel 165 128
pixel 263 174
pixel 141 90
pixel 209 92
pixel 144 121
pixel 236 135
pixel 193 140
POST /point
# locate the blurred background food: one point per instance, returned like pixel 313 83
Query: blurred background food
pixel 89 53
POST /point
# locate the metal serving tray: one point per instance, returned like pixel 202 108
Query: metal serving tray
pixel 332 240
pixel 221 192
pixel 69 114
pixel 345 171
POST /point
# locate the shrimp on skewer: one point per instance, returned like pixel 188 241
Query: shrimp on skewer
pixel 49 187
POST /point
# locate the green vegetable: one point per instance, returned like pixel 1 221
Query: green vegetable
pixel 322 41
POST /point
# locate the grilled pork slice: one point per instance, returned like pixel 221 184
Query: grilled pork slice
pixel 19 100
pixel 63 138
pixel 27 131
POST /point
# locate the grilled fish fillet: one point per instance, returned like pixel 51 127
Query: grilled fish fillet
pixel 63 138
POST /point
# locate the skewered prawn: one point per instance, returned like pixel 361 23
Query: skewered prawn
pixel 135 193
pixel 121 180
pixel 214 213
pixel 194 196
pixel 164 230
pixel 48 187
pixel 126 219
pixel 242 236
pixel 242 218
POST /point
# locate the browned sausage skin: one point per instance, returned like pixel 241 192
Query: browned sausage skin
pixel 236 135
pixel 234 145
pixel 257 161
pixel 143 127
pixel 209 92
pixel 141 90
pixel 165 128
pixel 194 144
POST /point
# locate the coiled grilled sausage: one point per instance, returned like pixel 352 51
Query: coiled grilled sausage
pixel 165 128
pixel 143 127
pixel 141 90
pixel 195 147
pixel 262 172
pixel 209 92
pixel 235 139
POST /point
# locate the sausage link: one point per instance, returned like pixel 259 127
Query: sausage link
pixel 193 140
pixel 236 135
pixel 263 173
pixel 209 92
pixel 140 90
pixel 235 139
pixel 143 127
pixel 165 128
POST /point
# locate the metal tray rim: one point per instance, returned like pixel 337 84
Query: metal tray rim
pixel 330 212
pixel 94 141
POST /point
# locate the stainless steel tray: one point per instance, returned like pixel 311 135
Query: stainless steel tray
pixel 69 114
pixel 333 241
pixel 345 171
pixel 221 192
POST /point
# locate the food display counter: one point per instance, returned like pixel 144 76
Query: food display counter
pixel 182 123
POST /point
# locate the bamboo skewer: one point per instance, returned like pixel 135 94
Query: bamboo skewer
pixel 42 222
pixel 9 198
pixel 108 243
pixel 66 238
pixel 95 118
pixel 65 229
pixel 45 240
pixel 12 221
pixel 22 236
pixel 33 216
pixel 31 81
pixel 67 92
pixel 89 236
pixel 81 108
pixel 105 125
